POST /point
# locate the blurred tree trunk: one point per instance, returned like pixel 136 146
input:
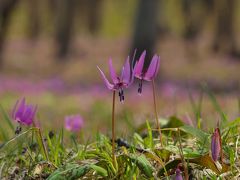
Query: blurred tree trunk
pixel 191 30
pixel 209 4
pixel 64 26
pixel 34 19
pixel 90 13
pixel 146 28
pixel 94 15
pixel 6 9
pixel 195 14
pixel 225 39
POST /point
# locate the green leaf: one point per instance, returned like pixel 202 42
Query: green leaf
pixel 138 140
pixel 6 118
pixel 4 133
pixel 204 161
pixel 148 141
pixel 164 154
pixel 70 171
pixel 101 171
pixel 199 134
pixel 187 152
pixel 75 171
pixel 173 122
pixel 143 164
pixel 233 123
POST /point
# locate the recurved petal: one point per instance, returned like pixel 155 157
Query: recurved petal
pixel 126 72
pixel 139 65
pixel 20 109
pixel 108 84
pixel 152 69
pixel 112 72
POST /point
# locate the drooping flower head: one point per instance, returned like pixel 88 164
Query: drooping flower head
pixel 74 123
pixel 150 73
pixel 216 144
pixel 23 113
pixel 118 82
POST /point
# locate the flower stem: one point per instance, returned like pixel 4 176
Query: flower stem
pixel 156 113
pixel 113 129
pixel 41 141
pixel 182 156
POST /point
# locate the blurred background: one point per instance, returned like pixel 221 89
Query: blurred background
pixel 49 50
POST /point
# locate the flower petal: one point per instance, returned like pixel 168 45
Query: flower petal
pixel 126 72
pixel 112 72
pixel 139 66
pixel 152 69
pixel 20 110
pixel 27 117
pixel 74 123
pixel 108 84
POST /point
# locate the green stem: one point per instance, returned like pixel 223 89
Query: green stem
pixel 41 140
pixel 74 137
pixel 182 156
pixel 113 129
pixel 156 113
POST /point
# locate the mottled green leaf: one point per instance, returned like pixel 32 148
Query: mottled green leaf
pixel 199 134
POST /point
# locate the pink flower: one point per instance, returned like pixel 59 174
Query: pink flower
pixel 150 73
pixel 74 123
pixel 23 113
pixel 118 82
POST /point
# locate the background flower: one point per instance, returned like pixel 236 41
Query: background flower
pixel 74 123
pixel 23 113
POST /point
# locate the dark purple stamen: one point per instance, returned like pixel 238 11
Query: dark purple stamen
pixel 24 150
pixel 140 87
pixel 50 134
pixel 18 130
pixel 121 95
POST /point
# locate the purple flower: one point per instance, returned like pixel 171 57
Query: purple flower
pixel 216 144
pixel 118 82
pixel 23 113
pixel 178 174
pixel 73 123
pixel 150 73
